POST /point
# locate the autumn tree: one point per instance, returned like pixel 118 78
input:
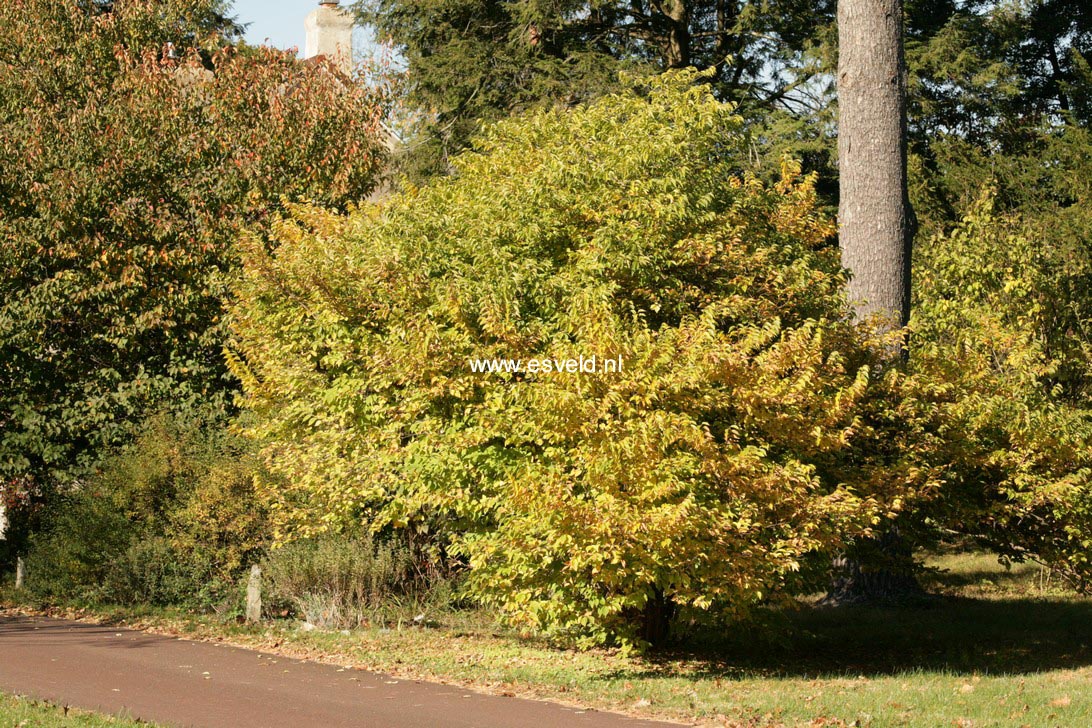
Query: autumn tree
pixel 751 430
pixel 136 140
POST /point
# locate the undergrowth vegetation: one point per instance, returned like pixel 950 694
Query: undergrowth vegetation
pixel 170 519
pixel 346 582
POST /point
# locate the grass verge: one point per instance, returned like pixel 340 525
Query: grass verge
pixel 17 711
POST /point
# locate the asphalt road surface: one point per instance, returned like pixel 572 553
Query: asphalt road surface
pixel 182 683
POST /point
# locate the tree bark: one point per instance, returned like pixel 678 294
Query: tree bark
pixel 876 229
pixel 876 223
pixel 677 50
pixel 880 571
pixel 654 620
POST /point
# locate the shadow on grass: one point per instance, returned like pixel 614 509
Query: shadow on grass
pixel 953 635
pixel 1016 581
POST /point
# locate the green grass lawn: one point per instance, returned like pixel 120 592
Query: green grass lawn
pixel 1000 648
pixel 20 712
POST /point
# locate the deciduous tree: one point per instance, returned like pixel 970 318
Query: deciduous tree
pixel 749 431
pixel 136 141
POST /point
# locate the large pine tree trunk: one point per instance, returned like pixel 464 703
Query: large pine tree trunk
pixel 875 220
pixel 876 228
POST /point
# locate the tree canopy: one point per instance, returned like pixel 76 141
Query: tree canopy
pixel 136 140
pixel 750 429
pixel 479 60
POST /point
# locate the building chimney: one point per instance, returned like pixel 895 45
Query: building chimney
pixel 330 35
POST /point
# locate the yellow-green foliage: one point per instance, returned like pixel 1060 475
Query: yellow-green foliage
pixel 744 435
pixel 1002 323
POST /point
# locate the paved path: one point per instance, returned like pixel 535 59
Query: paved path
pixel 184 683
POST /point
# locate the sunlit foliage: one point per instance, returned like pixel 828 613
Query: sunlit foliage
pixel 1002 325
pixel 746 432
pixel 136 141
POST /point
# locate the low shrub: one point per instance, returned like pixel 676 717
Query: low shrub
pixel 86 533
pixel 346 582
pixel 151 571
pixel 169 520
